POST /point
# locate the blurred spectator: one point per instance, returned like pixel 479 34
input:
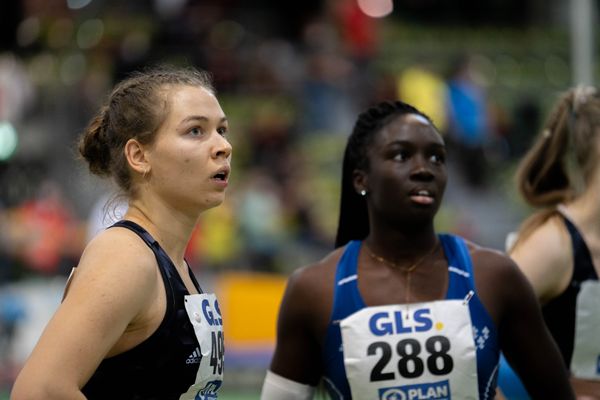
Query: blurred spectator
pixel 215 243
pixel 270 135
pixel 12 312
pixel 12 315
pixel 360 42
pixel 16 89
pixel 468 120
pixel 8 268
pixel 419 84
pixel 326 106
pixel 525 122
pixel 260 219
pixel 45 233
pixel 358 31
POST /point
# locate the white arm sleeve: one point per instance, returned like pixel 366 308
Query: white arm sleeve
pixel 276 387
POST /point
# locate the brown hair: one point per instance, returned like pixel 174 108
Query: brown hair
pixel 543 177
pixel 136 108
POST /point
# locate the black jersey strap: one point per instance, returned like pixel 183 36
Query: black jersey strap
pixel 583 265
pixel 156 248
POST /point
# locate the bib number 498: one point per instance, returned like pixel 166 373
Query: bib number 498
pixel 410 364
pixel 217 352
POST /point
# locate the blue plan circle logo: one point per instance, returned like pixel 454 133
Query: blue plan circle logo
pixel 393 394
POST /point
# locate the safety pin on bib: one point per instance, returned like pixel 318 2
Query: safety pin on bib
pixel 468 297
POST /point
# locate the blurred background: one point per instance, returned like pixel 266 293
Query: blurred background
pixel 291 77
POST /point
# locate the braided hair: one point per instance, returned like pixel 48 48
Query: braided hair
pixel 136 108
pixel 353 219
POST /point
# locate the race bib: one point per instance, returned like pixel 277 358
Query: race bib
pixel 586 351
pixel 416 352
pixel 205 316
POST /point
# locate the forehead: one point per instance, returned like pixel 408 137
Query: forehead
pixel 408 128
pixel 183 100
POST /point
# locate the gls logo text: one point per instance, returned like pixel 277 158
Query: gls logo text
pixel 389 323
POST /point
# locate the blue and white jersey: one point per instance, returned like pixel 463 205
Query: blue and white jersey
pixel 349 307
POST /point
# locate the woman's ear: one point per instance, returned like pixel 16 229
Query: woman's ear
pixel 136 157
pixel 359 180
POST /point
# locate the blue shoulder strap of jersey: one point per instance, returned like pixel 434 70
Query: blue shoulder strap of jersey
pixel 346 298
pixel 460 268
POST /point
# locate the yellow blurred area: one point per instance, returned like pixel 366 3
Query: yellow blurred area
pixel 426 90
pixel 249 304
pixel 217 242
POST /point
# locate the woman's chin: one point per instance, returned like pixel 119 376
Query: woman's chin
pixel 213 201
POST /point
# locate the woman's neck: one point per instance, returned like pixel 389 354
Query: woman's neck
pixel 171 228
pixel 398 244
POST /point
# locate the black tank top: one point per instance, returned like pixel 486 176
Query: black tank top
pixel 160 366
pixel 559 313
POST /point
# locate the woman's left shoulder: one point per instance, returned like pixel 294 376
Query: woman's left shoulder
pixel 498 280
pixel 492 263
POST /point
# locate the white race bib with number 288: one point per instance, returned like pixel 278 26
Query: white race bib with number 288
pixel 420 351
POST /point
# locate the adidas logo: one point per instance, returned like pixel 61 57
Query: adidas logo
pixel 195 357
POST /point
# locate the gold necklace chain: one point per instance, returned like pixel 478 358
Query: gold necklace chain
pixel 400 267
pixel 407 270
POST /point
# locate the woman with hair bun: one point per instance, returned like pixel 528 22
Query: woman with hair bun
pixel 134 322
pixel 558 246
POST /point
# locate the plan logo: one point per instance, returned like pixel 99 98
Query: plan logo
pixel 209 391
pixel 425 391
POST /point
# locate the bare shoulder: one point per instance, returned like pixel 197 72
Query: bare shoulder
pixel 493 267
pixel 315 280
pixel 114 260
pixel 489 260
pixel 498 279
pixel 549 245
pixel 546 258
pixel 309 293
pixel 303 319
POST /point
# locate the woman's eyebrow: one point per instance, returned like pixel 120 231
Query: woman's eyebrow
pixel 200 118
